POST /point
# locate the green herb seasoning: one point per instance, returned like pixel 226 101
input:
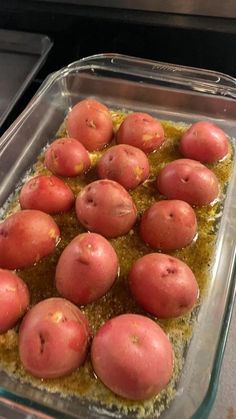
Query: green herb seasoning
pixel 40 278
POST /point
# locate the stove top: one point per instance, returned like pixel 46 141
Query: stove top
pixel 191 7
pixel 79 30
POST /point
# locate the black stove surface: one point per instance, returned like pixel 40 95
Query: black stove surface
pixel 79 31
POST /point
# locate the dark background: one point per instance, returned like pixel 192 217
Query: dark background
pixel 79 31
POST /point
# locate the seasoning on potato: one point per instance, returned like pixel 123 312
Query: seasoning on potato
pixel 90 122
pixel 163 285
pixel 132 356
pixel 67 157
pixel 53 338
pixel 168 225
pixel 141 130
pixel 87 268
pixel 46 193
pixel 26 237
pixel 188 180
pixel 205 142
pixel 125 164
pixel 14 299
pixel 105 207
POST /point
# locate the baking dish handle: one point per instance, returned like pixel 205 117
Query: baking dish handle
pixel 204 81
pixel 188 78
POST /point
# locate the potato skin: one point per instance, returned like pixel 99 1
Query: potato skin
pixel 14 299
pixel 168 225
pixel 86 269
pixel 132 356
pixel 205 142
pixel 46 193
pixel 141 130
pixel 188 180
pixel 67 157
pixel 105 207
pixel 53 338
pixel 163 285
pixel 90 122
pixel 125 164
pixel 26 237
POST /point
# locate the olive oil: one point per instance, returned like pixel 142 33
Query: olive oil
pixel 40 278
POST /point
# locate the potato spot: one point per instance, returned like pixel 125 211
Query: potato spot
pixel 79 167
pixel 138 171
pixel 90 123
pixel 57 317
pixel 52 234
pixel 10 289
pixel 147 137
pixel 135 339
pixel 33 184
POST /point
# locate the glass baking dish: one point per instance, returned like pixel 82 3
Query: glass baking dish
pixel 168 92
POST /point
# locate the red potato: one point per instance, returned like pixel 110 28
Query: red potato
pixel 105 207
pixel 132 356
pixel 87 268
pixel 67 157
pixel 14 299
pixel 90 122
pixel 125 164
pixel 26 237
pixel 163 285
pixel 46 193
pixel 188 180
pixel 53 338
pixel 168 225
pixel 205 142
pixel 141 130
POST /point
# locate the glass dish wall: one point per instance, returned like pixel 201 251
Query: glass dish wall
pixel 171 93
